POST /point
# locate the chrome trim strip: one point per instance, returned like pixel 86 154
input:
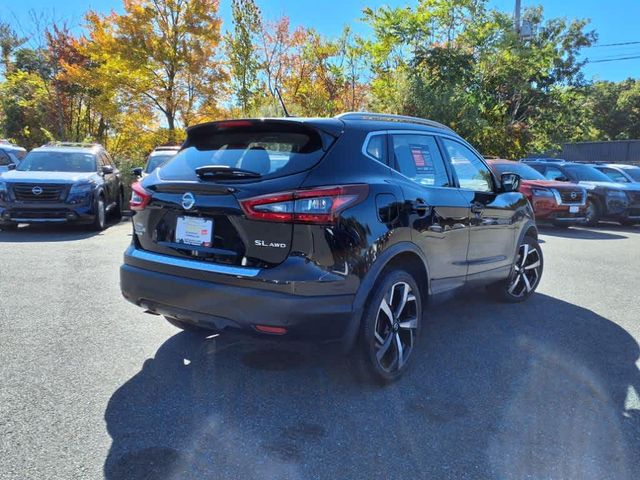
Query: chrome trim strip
pixel 38 220
pixel 191 264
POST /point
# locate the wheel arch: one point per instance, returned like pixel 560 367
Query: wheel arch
pixel 403 255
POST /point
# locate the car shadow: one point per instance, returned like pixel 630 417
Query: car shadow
pixel 51 232
pixel 544 389
pixel 583 233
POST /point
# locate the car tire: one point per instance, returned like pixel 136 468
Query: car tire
pixel 593 212
pixel 117 214
pixel 188 327
pixel 525 275
pixel 100 218
pixel 390 326
pixel 9 227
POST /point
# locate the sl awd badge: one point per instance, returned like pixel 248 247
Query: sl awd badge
pixel 262 243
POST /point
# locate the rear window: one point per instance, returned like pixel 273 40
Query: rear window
pixel 271 150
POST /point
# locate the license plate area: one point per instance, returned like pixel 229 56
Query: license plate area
pixel 574 209
pixel 194 231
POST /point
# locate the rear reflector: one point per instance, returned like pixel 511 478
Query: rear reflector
pixel 320 205
pixel 272 330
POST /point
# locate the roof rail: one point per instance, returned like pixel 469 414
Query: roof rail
pixel 72 144
pixel 387 117
pixel 167 148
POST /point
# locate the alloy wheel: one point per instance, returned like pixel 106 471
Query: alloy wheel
pixel 526 273
pixel 396 327
pixel 102 214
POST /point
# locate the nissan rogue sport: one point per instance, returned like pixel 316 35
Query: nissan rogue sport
pixel 334 230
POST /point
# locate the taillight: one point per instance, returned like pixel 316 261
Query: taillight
pixel 140 198
pixel 320 205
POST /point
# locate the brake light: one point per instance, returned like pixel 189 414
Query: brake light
pixel 140 198
pixel 320 205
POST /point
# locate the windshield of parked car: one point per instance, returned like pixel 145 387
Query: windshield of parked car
pixel 633 172
pixel 587 173
pixel 157 160
pixel 58 162
pixel 525 171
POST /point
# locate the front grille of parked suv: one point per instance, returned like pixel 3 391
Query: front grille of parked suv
pixel 572 197
pixel 30 192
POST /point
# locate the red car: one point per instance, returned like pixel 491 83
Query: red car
pixel 554 202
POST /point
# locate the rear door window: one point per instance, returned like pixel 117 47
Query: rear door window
pixel 418 158
pixel 376 147
pixel 271 149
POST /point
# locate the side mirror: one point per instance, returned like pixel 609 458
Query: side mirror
pixel 562 178
pixel 107 169
pixel 510 182
pixel 11 166
pixel 136 171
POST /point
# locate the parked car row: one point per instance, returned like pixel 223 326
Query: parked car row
pixel 613 193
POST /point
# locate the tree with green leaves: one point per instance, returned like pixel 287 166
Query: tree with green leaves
pixel 9 41
pixel 242 52
pixel 461 63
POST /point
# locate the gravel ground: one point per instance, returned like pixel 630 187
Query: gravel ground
pixel 92 387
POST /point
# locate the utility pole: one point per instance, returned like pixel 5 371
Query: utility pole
pixel 516 18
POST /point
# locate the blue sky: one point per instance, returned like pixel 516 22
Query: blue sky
pixel 615 20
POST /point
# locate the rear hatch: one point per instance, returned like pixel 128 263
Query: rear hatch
pixel 195 210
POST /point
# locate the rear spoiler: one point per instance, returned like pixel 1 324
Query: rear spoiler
pixel 329 129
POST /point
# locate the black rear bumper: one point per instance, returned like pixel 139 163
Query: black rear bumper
pixel 221 306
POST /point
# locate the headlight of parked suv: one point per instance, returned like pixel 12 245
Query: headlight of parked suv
pixel 542 192
pixel 81 189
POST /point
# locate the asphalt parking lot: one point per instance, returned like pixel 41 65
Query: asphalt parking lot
pixel 92 387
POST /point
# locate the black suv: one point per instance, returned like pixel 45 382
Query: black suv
pixel 332 229
pixel 606 200
pixel 64 183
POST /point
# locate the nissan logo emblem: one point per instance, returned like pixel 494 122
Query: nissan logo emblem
pixel 188 201
pixel 574 195
pixel 36 190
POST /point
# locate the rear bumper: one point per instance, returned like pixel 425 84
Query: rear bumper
pixel 222 305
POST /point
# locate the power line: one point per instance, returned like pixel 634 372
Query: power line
pixel 615 44
pixel 613 59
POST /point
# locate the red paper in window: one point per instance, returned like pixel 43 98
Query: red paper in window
pixel 418 157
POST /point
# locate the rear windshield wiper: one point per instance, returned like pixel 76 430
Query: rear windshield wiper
pixel 224 171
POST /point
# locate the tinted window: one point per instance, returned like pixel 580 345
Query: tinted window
pixel 633 172
pixel 587 173
pixel 157 160
pixel 553 173
pixel 58 162
pixel 4 158
pixel 525 171
pixel 614 175
pixel 472 173
pixel 270 149
pixel 376 147
pixel 418 157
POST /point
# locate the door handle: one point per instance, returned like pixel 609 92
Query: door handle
pixel 419 206
pixel 477 208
